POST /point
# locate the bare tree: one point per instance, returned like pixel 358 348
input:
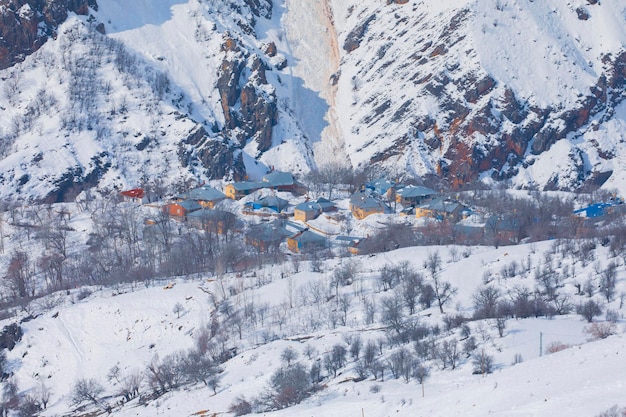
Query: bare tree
pixel 288 386
pixel 400 364
pixel 289 355
pixel 329 176
pixel 589 310
pixel 20 275
pixel 345 302
pixel 86 390
pixel 411 284
pixel 608 279
pixel 486 302
pixel 450 353
pixel 44 395
pixel 178 308
pixel 335 359
pixel 482 363
pixel 393 314
pixel 443 290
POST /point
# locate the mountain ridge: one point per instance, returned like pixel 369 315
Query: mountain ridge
pixel 466 91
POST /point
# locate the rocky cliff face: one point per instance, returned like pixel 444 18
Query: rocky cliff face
pixel 531 93
pixel 464 90
pixel 248 101
pixel 25 25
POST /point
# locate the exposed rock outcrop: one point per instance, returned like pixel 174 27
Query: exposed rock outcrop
pixel 212 155
pixel 249 105
pixel 355 37
pixel 260 8
pixel 25 25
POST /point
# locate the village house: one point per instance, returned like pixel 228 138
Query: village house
pixel 206 196
pixel 237 190
pixel 503 229
pixel 305 241
pixel 362 205
pixel 351 243
pixel 266 205
pixel 181 209
pixel 441 209
pixel 214 221
pixel 312 209
pixel 468 234
pixel 267 236
pixel 136 195
pixel 382 187
pixel 414 195
pixel 283 181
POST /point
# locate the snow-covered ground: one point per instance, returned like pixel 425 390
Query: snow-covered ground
pixel 71 338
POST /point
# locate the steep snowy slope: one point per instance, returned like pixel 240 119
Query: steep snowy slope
pixel 193 90
pixel 151 94
pixel 468 87
pixel 74 336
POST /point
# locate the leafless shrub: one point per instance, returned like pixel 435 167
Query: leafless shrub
pixel 557 346
pixel 614 411
pixel 602 330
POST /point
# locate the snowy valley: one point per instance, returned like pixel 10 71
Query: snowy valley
pixel 450 240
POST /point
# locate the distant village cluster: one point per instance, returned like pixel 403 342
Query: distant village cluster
pixel 287 218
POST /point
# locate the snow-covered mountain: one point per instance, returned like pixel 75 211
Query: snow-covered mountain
pixel 471 88
pixel 117 94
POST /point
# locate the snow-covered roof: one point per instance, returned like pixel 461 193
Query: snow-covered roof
pixel 205 193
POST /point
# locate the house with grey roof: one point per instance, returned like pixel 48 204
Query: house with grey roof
pixel 305 241
pixel 310 210
pixel 362 204
pixel 283 181
pixel 414 195
pixel 441 209
pixel 237 190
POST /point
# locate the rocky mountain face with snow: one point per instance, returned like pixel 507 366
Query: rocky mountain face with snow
pixel 111 95
pixel 26 25
pixel 482 87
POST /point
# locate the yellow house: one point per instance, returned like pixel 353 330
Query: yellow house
pixel 304 241
pixel 236 190
pixel 413 195
pixel 206 196
pixel 312 209
pixel 363 205
pixel 440 209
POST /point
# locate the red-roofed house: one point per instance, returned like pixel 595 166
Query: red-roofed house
pixel 136 195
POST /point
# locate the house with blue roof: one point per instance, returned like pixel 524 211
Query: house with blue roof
pixel 594 210
pixel 272 203
pixel 312 209
pixel 381 186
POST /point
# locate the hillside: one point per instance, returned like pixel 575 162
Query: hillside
pixel 80 334
pixel 154 316
pixel 114 95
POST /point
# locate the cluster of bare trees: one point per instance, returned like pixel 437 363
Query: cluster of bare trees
pixel 199 365
pixel 23 403
pixel 122 248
